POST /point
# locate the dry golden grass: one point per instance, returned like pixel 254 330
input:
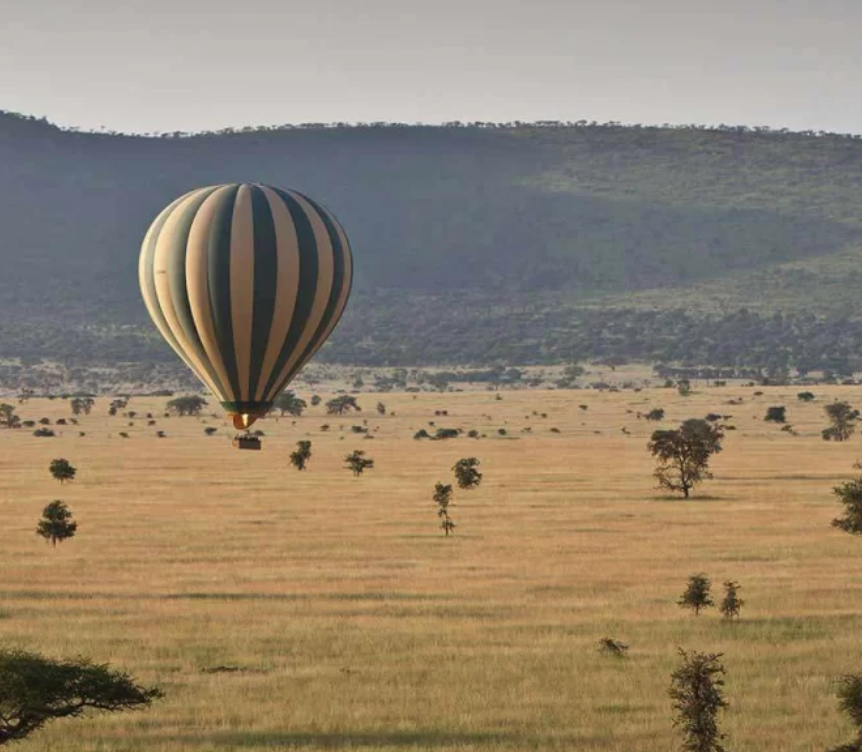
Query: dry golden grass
pixel 354 623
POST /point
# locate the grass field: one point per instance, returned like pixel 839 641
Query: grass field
pixel 318 611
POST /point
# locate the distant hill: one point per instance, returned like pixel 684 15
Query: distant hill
pixel 473 243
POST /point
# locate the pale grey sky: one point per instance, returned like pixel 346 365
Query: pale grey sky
pixel 142 65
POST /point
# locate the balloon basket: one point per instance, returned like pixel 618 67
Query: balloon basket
pixel 247 441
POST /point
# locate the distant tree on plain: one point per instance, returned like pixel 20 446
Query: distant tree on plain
pixel 731 603
pixel 466 474
pixel 342 404
pixel 35 690
pixel 315 400
pixel 805 396
pixel 288 403
pixel 56 524
pixel 697 594
pixel 358 463
pixel 82 404
pixel 443 498
pixel 697 692
pixel 776 414
pixel 684 453
pixel 62 470
pixel 8 418
pixel 299 458
pixel 188 405
pixel 683 387
pixel 843 418
pixel 657 413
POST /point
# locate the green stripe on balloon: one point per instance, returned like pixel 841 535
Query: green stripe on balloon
pixel 218 275
pixel 265 280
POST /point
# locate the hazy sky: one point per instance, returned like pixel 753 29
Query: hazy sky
pixel 142 65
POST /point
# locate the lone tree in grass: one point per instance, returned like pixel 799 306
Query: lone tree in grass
pixel 683 454
pixel 776 414
pixel 62 470
pixel 657 413
pixel 443 498
pixel 190 405
pixel 850 495
pixel 342 404
pixel 697 691
pixel 731 603
pixel 302 455
pixel 466 473
pixel 35 690
pixel 358 463
pixel 8 418
pixel 696 595
pixel 288 403
pixel 56 523
pixel 850 703
pixel 82 404
pixel 843 419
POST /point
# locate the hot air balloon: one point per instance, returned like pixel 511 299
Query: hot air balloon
pixel 245 282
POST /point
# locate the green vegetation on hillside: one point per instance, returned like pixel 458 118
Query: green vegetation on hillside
pixel 473 244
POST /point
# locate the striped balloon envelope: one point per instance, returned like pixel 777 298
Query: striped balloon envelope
pixel 245 282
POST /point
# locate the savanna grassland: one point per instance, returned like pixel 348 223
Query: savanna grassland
pixel 318 611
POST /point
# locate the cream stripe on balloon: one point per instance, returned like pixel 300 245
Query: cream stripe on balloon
pixel 287 285
pixel 163 292
pixel 197 284
pixel 325 274
pixel 242 287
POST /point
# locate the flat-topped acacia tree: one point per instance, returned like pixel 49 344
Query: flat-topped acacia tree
pixel 35 690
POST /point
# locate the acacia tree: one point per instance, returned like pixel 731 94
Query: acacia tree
pixel 56 523
pixel 342 404
pixel 189 405
pixel 696 688
pixel 684 454
pixel 35 690
pixel 442 498
pixel 8 418
pixel 843 418
pixel 62 470
pixel 82 404
pixel 288 402
pixel 466 473
pixel 302 455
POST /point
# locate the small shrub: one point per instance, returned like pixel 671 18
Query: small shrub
pixel 777 414
pixel 44 433
pixel 609 646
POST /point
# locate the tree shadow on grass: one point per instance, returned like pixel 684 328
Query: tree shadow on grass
pixel 359 740
pixel 693 499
